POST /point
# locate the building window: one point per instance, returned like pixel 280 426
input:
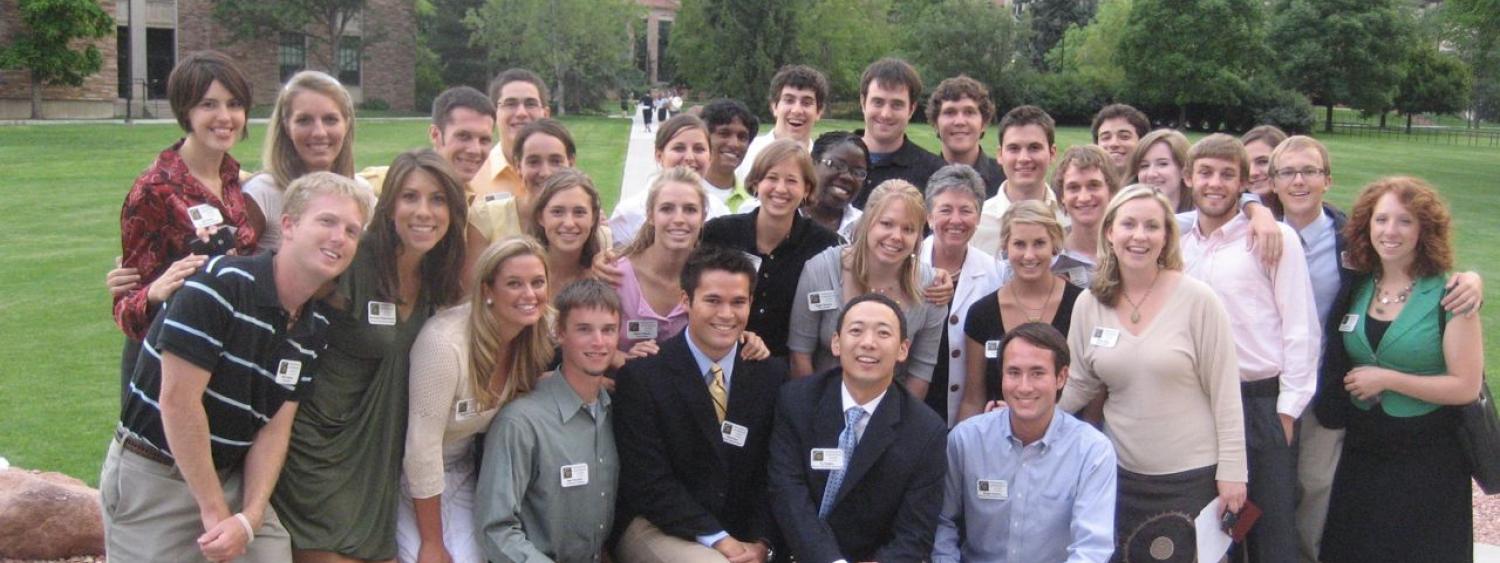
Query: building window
pixel 292 54
pixel 349 61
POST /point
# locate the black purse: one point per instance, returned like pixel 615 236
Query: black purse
pixel 1479 435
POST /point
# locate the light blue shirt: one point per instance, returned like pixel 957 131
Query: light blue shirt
pixel 1320 241
pixel 726 364
pixel 1056 503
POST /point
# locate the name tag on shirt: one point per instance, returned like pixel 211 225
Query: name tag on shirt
pixel 204 215
pixel 1344 260
pixel 464 409
pixel 992 349
pixel 640 330
pixel 1348 324
pixel 381 313
pixel 993 489
pixel 822 301
pixel 575 475
pixel 1105 337
pixel 288 372
pixel 496 196
pixel 734 434
pixel 827 459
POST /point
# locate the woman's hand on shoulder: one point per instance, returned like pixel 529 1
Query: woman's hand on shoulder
pixel 752 347
pixel 940 291
pixel 606 269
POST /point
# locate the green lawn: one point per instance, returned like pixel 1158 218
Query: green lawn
pixel 59 231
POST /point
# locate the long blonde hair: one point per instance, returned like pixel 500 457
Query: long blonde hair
pixel 1106 287
pixel 857 257
pixel 646 236
pixel 278 154
pixel 531 351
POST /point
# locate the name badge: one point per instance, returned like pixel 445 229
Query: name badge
pixel 1344 260
pixel 734 434
pixel 993 489
pixel 288 372
pixel 381 313
pixel 464 409
pixel 827 459
pixel 1104 337
pixel 1347 325
pixel 822 301
pixel 640 330
pixel 575 475
pixel 497 196
pixel 992 349
pixel 204 215
pixel 755 260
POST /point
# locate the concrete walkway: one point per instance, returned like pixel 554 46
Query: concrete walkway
pixel 640 157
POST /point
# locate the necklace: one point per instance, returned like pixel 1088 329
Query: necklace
pixel 1135 308
pixel 1398 298
pixel 1039 310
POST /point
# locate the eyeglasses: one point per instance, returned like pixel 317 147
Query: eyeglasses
pixel 841 168
pixel 1289 174
pixel 511 104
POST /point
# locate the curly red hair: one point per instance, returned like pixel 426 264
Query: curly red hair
pixel 1434 252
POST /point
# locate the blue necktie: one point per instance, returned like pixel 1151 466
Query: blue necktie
pixel 847 439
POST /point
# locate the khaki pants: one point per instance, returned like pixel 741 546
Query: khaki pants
pixel 1316 461
pixel 643 542
pixel 150 515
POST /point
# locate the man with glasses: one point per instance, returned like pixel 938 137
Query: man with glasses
pixel 520 97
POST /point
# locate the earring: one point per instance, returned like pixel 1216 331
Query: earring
pixel 488 301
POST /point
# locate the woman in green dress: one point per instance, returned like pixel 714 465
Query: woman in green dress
pixel 340 487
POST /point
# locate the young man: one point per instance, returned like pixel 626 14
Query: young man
pixel 520 97
pixel 462 132
pixel 730 128
pixel 888 94
pixel 1117 128
pixel 798 96
pixel 960 111
pixel 1003 464
pixel 1027 146
pixel 547 482
pixel 210 404
pixel 693 425
pixel 857 463
pixel 1276 332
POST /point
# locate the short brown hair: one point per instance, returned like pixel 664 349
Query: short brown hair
pixel 675 125
pixel 191 78
pixel 1041 335
pixel 1085 157
pixel 510 75
pixel 558 182
pixel 801 77
pixel 585 293
pixel 1302 142
pixel 1029 115
pixel 776 153
pixel 1268 134
pixel 460 97
pixel 955 89
pixel 891 71
pixel 545 126
pixel 1135 117
pixel 1434 252
pixel 1220 146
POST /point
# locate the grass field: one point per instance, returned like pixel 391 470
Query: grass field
pixel 59 231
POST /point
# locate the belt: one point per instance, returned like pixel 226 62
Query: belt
pixel 142 448
pixel 1268 387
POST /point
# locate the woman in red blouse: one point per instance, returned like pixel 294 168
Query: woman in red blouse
pixel 192 190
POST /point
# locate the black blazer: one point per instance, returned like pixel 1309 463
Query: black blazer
pixel 676 470
pixel 888 505
pixel 1331 400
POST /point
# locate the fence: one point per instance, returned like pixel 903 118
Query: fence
pixel 1428 134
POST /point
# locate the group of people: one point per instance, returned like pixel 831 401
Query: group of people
pixel 657 104
pixel 841 348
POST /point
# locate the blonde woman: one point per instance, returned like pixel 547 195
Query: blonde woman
pixel 311 129
pixel 467 362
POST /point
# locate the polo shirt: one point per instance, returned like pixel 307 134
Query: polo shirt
pixel 778 273
pixel 910 162
pixel 228 319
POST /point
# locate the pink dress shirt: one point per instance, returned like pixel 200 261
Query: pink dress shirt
pixel 634 307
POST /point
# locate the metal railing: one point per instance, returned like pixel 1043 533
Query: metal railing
pixel 1426 134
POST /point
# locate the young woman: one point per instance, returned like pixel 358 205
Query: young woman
pixel 1396 361
pixel 1159 343
pixel 882 258
pixel 1157 161
pixel 1259 143
pixel 955 195
pixel 467 362
pixel 565 219
pixel 192 183
pixel 311 129
pixel 543 147
pixel 681 141
pixel 1030 238
pixel 842 162
pixel 1084 180
pixel 650 268
pixel 339 488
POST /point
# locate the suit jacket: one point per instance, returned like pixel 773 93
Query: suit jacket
pixel 1331 399
pixel 887 507
pixel 676 470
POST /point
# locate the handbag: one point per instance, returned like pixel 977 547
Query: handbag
pixel 1479 435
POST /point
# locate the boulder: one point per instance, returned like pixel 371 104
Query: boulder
pixel 48 516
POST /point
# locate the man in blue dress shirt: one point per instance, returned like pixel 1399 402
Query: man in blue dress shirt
pixel 1027 482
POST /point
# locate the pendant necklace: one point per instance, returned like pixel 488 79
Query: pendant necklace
pixel 1382 299
pixel 1135 308
pixel 1039 310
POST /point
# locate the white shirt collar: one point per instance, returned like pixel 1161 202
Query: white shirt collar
pixel 869 407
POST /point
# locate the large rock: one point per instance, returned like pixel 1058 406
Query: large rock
pixel 48 516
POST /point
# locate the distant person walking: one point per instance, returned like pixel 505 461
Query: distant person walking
pixel 646 110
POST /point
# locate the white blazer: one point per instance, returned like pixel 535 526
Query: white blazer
pixel 980 276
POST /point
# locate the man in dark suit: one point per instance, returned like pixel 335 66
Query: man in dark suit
pixel 693 428
pixel 857 464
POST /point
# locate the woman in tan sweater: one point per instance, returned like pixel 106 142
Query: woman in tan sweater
pixel 1159 344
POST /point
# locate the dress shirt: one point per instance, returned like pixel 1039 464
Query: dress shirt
pixel 524 512
pixel 1271 313
pixel 496 175
pixel 704 363
pixel 1059 500
pixel 1320 240
pixel 987 234
pixel 635 307
pixel 850 402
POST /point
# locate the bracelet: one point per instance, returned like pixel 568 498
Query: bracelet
pixel 244 521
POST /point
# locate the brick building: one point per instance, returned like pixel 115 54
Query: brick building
pixel 139 57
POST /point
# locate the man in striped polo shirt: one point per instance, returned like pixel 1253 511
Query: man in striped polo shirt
pixel 210 404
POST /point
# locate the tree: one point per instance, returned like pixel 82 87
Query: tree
pixel 1342 51
pixel 841 37
pixel 48 45
pixel 1050 20
pixel 1091 50
pixel 456 57
pixel 581 46
pixel 325 23
pixel 1434 83
pixel 973 37
pixel 1182 52
pixel 1473 24
pixel 733 47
